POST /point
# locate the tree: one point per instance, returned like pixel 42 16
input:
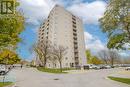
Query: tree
pixel 59 52
pixel 89 56
pixel 53 59
pixel 113 56
pixel 126 60
pixel 116 23
pixel 42 49
pixel 92 59
pixel 104 55
pixel 8 57
pixel 109 56
pixel 11 25
pixel 95 60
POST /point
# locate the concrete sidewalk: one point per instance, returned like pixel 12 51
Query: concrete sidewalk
pixel 122 73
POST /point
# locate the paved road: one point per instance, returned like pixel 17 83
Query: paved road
pixel 29 77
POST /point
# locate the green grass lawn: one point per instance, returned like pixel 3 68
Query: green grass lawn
pixel 123 80
pixel 5 84
pixel 52 70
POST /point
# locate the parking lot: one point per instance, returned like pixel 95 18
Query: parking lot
pixel 31 77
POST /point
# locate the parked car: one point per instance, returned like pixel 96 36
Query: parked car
pixel 96 67
pixel 105 67
pixel 3 70
pixel 128 68
pixel 92 66
pixel 108 67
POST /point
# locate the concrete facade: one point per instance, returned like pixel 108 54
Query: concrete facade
pixel 63 28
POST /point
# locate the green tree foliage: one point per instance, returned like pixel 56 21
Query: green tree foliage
pixel 8 57
pixel 92 59
pixel 95 60
pixel 116 23
pixel 11 25
pixel 89 56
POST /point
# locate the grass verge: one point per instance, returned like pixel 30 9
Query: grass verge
pixel 123 80
pixel 53 70
pixel 5 84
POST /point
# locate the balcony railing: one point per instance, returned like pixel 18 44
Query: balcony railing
pixel 74 33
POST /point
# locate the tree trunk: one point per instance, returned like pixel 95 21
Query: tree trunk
pixel 44 61
pixel 44 64
pixel 60 66
pixel 112 61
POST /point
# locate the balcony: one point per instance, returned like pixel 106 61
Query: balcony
pixel 76 51
pixel 76 54
pixel 75 42
pixel 73 18
pixel 43 26
pixel 74 30
pixel 76 63
pixel 75 46
pixel 75 38
pixel 75 34
pixel 74 26
pixel 74 22
pixel 42 33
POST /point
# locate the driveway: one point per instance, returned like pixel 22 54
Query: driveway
pixel 30 77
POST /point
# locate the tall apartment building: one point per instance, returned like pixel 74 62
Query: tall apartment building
pixel 63 28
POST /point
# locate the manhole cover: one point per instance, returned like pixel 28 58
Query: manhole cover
pixel 56 79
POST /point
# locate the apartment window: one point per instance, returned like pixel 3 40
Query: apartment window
pixel 47 37
pixel 66 58
pixel 76 63
pixel 55 65
pixel 71 64
pixel 49 65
